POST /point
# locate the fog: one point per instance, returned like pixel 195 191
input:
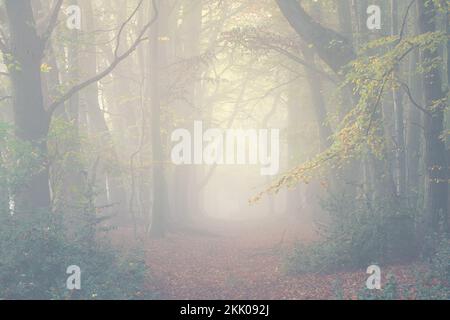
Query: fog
pixel 223 149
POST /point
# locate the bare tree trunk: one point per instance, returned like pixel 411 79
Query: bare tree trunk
pixel 414 128
pixel 31 119
pixel 414 136
pixel 332 47
pixel 187 178
pixel 296 201
pixel 113 194
pixel 318 101
pixel 160 206
pixel 435 153
pixel 345 19
pixel 400 156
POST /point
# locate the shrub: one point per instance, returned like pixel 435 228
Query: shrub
pixel 36 251
pixel 37 247
pixel 390 291
pixel 432 281
pixel 358 233
pixel 435 284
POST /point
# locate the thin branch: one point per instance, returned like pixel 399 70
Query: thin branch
pixel 411 98
pixel 110 68
pixel 372 116
pixel 395 65
pixel 230 121
pixel 52 22
pixel 384 81
pixel 3 47
pixel 303 62
pixel 405 17
pixel 5 98
pixel 123 26
pixel 271 90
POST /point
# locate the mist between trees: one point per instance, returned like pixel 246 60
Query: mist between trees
pixel 117 121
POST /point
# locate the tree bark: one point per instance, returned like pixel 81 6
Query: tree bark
pixel 160 206
pixel 435 154
pixel 414 134
pixel 345 19
pixel 331 46
pixel 112 195
pixel 188 177
pixel 397 94
pixel 30 118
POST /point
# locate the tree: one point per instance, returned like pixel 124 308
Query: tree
pixel 332 47
pixel 436 201
pixel 24 58
pixel 158 61
pixel 32 119
pixel 398 113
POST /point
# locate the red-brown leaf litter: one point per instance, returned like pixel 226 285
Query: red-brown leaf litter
pixel 244 260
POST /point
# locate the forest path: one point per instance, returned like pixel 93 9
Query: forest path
pixel 239 260
pixel 230 260
pixel 223 259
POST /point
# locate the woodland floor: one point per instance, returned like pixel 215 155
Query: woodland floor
pixel 244 260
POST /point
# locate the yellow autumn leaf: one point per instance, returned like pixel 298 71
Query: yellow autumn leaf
pixel 45 68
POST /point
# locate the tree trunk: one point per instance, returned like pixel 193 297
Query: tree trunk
pixel 160 204
pixel 318 101
pixel 414 136
pixel 414 128
pixel 435 154
pixel 345 19
pixel 113 195
pixel 332 47
pixel 30 118
pixel 400 156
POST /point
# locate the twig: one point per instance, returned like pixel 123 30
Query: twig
pixel 385 75
pixel 411 98
pixel 123 26
pixel 108 70
pixel 303 63
pixel 5 98
pixel 405 17
pixel 52 21
pixel 3 47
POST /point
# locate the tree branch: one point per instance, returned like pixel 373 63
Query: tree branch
pixel 411 98
pixel 110 68
pixel 5 98
pixel 3 47
pixel 52 21
pixel 405 17
pixel 384 81
pixel 303 63
pixel 123 26
pixel 331 46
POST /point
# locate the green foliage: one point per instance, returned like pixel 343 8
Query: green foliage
pixel 36 251
pixel 389 291
pixel 432 280
pixel 18 160
pixel 361 132
pixel 37 247
pixel 338 291
pixel 435 283
pixel 359 232
pixel 440 263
